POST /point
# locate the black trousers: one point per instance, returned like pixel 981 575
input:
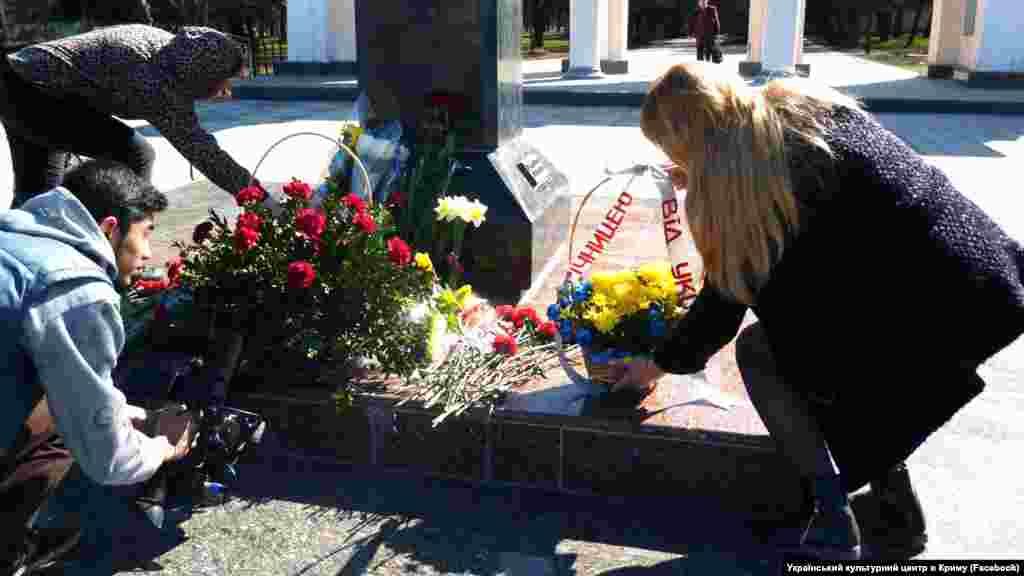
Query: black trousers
pixel 866 436
pixel 42 128
pixel 705 48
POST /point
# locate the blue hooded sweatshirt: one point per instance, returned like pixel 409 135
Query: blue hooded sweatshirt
pixel 62 330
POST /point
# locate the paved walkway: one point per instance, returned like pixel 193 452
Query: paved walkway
pixel 885 88
pixel 304 517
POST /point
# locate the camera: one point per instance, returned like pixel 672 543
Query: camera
pixel 222 435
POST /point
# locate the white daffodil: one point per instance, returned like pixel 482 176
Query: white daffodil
pixel 444 209
pixel 460 208
pixel 476 213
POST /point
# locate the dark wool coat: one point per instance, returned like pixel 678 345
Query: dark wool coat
pixel 897 288
pixel 136 71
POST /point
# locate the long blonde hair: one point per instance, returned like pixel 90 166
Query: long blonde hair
pixel 730 139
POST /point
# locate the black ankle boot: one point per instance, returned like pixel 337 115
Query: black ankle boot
pixel 832 532
pixel 901 529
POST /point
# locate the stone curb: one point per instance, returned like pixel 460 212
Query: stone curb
pixel 569 97
pixel 567 455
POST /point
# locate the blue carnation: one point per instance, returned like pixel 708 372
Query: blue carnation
pixel 584 337
pixel 554 312
pixel 654 312
pixel 564 302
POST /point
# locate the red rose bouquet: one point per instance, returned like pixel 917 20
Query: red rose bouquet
pixel 329 280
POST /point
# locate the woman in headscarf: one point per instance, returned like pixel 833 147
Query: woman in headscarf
pixel 67 95
pixel 879 289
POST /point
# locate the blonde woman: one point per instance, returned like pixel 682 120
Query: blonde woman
pixel 878 288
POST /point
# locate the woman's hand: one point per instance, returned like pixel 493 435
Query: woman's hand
pixel 678 176
pixel 638 375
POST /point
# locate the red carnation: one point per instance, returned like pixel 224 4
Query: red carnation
pixel 174 271
pixel 365 221
pixel 504 344
pixel 355 202
pixel 152 285
pixel 160 314
pixel 548 329
pixel 249 220
pixel 522 314
pixel 505 312
pixel 246 238
pixel 300 275
pixel 399 251
pixel 299 190
pixel 202 232
pixel 311 222
pixel 250 194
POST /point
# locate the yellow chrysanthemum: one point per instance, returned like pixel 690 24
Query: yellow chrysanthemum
pixel 462 293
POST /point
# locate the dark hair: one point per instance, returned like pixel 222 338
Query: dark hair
pixel 108 188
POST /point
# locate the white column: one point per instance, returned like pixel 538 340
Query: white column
pixel 307 31
pixel 944 40
pixel 998 45
pixel 614 60
pixel 341 31
pixel 588 35
pixel 298 40
pixel 775 35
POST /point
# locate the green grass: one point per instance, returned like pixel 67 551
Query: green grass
pixel 554 42
pixel 893 53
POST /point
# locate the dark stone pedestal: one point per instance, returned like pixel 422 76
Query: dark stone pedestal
pixel 409 49
pixel 607 66
pixel 750 69
pixel 527 218
pixel 989 80
pixel 944 71
pixel 315 68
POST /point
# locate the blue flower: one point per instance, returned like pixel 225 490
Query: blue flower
pixel 600 357
pixel 554 312
pixel 620 354
pixel 565 329
pixel 564 302
pixel 584 337
pixel 654 312
pixel 582 292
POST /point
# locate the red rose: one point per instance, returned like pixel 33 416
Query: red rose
pixel 505 311
pixel 202 232
pixel 549 329
pixel 249 220
pixel 311 222
pixel 504 344
pixel 396 199
pixel 299 190
pixel 355 202
pixel 399 251
pixel 174 271
pixel 250 194
pixel 246 238
pixel 300 275
pixel 365 221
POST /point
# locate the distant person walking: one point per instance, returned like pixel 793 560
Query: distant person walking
pixel 705 27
